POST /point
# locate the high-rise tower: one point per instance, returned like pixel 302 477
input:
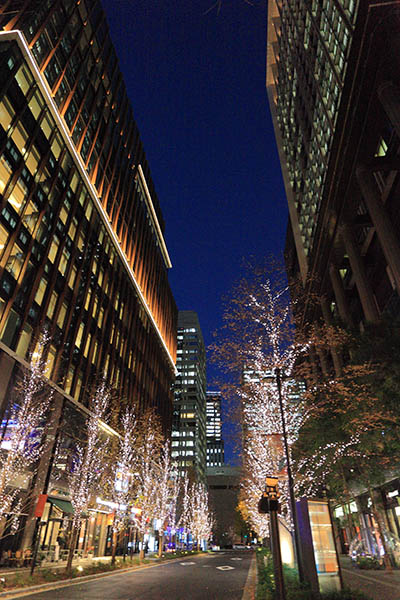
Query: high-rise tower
pixel 333 86
pixel 189 417
pixel 215 443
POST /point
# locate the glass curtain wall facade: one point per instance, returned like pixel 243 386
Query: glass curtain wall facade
pixel 82 252
pixel 308 44
pixel 81 231
pixel 189 416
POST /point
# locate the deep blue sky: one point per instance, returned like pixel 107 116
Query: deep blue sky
pixel 196 80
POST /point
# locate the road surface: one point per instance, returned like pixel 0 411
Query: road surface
pixel 217 576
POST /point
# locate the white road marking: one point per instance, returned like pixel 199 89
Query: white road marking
pixel 187 563
pixel 236 559
pixel 225 568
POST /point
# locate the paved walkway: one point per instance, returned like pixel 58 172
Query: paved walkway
pixel 378 585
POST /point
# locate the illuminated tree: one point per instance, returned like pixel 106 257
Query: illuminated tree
pixel 200 522
pixel 147 473
pixel 121 477
pixel 88 464
pixel 22 445
pixel 167 489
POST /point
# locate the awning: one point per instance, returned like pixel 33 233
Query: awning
pixel 64 505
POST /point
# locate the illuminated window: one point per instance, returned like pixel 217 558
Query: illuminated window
pixel 18 194
pixel 24 79
pixel 68 380
pixel 32 160
pixel 52 305
pixel 53 249
pixel 6 113
pixel 3 239
pixel 79 335
pixel 87 346
pixel 41 291
pixel 51 357
pixel 5 173
pixel 15 261
pixel 61 315
pixel 36 104
pixel 72 277
pixel 20 137
pixel 24 340
pixel 47 125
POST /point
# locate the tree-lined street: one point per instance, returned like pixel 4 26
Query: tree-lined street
pixel 202 577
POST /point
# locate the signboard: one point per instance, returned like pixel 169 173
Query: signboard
pixel 40 505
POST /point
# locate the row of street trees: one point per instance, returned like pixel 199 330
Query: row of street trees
pixel 339 422
pixel 132 468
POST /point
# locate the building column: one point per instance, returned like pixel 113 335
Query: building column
pixel 389 97
pixel 327 316
pixel 357 266
pixel 340 296
pixel 387 236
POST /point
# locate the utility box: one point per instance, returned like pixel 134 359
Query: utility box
pixel 318 551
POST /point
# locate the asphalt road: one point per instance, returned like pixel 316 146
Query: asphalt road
pixel 217 576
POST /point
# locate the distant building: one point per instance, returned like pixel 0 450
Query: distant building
pixel 189 414
pixel 215 443
pixel 224 485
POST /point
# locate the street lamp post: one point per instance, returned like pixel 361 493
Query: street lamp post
pixel 269 504
pixel 289 475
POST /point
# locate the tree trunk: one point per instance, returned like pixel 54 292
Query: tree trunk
pixel 141 553
pixel 160 544
pixel 378 519
pixel 74 537
pixel 114 546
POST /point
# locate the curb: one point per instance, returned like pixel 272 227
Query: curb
pixel 249 591
pixel 55 585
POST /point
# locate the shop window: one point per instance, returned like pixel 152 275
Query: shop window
pixel 24 341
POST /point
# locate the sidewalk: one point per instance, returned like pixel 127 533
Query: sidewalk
pixel 378 585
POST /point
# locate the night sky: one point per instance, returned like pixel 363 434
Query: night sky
pixel 196 81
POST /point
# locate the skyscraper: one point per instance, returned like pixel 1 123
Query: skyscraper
pixel 332 81
pixel 215 443
pixel 82 251
pixel 189 417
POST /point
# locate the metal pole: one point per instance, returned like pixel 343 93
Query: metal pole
pixel 276 556
pixel 290 477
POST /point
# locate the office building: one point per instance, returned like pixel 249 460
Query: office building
pixel 82 251
pixel 189 416
pixel 215 443
pixel 333 81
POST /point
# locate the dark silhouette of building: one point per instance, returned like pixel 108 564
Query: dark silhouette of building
pixel 215 443
pixel 82 251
